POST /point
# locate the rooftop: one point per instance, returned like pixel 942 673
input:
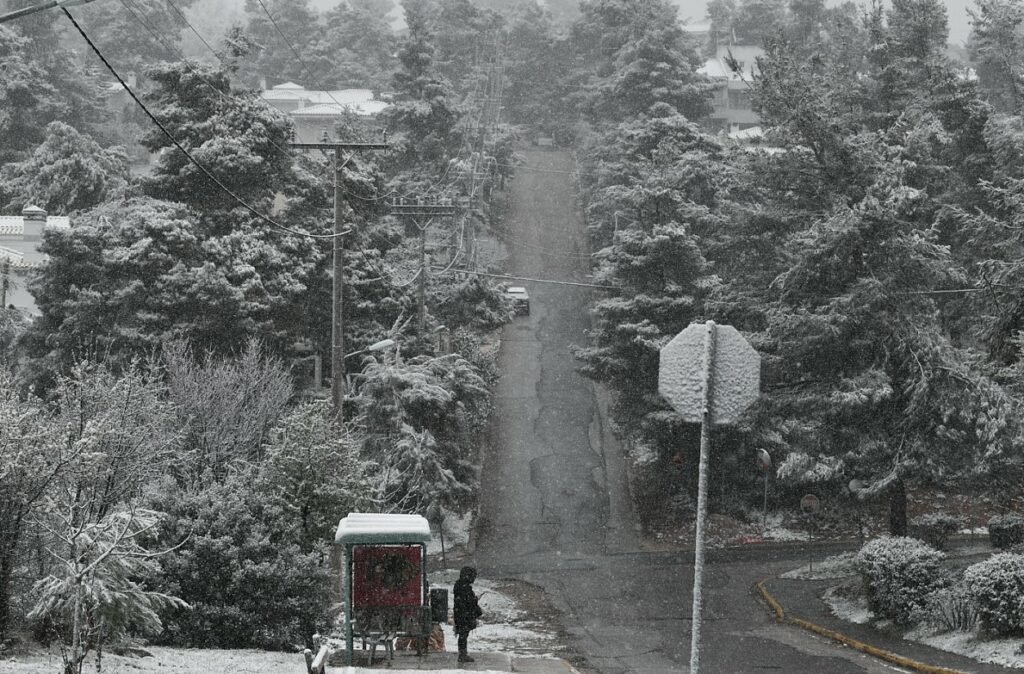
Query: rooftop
pixel 14 225
pixel 382 528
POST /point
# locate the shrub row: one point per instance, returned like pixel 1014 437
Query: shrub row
pixel 935 528
pixel 903 581
pixel 1006 531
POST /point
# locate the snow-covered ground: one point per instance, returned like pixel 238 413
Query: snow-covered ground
pixel 773 530
pixel 163 661
pixel 1005 652
pixel 503 627
pixel 838 566
pixel 854 610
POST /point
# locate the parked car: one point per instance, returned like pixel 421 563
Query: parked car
pixel 520 300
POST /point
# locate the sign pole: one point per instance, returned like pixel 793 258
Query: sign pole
pixel 702 500
pixel 764 516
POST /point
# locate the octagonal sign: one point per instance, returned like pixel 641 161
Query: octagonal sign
pixel 735 376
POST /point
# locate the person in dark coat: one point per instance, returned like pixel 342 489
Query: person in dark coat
pixel 466 609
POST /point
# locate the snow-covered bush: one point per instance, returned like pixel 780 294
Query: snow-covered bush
pixel 997 587
pixel 935 528
pixel 899 573
pixel 1005 531
pixel 952 609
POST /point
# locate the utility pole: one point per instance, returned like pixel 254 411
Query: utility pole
pixel 338 282
pixel 419 211
pixel 18 13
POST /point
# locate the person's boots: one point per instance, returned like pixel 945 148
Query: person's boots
pixel 464 657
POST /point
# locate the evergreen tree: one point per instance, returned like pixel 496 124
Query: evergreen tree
pixel 424 113
pixel 28 101
pixel 997 46
pixel 67 172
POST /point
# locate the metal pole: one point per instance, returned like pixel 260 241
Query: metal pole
pixel 349 641
pixel 764 518
pixel 337 290
pixel 702 500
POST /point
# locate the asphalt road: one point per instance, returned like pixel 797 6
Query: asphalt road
pixel 555 509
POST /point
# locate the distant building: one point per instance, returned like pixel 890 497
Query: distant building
pixel 732 105
pixel 317 111
pixel 20 236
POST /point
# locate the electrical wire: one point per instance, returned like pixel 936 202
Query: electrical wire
pixel 177 52
pixel 391 193
pixel 193 28
pixel 224 188
pixel 509 277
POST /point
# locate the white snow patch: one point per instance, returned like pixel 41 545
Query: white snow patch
pixel 502 627
pixel 1004 652
pixel 364 670
pixel 456 531
pixel 774 530
pixel 838 566
pixel 855 611
pixel 976 531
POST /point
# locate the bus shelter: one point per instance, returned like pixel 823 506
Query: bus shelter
pixel 384 576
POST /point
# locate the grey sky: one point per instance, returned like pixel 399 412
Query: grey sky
pixel 959 22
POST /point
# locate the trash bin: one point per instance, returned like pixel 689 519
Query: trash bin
pixel 439 605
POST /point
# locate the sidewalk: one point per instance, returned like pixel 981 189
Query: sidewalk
pixel 446 662
pixel 802 599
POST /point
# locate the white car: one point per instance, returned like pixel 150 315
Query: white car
pixel 520 300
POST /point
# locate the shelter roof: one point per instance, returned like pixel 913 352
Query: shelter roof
pixel 381 529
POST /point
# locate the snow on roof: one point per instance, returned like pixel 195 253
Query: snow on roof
pixel 326 103
pixel 714 68
pixel 341 96
pixel 14 225
pixel 335 110
pixel 283 95
pixel 16 258
pixel 382 528
pixel 747 134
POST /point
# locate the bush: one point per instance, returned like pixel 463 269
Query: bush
pixel 899 573
pixel 953 609
pixel 935 528
pixel 997 589
pixel 249 585
pixel 1005 531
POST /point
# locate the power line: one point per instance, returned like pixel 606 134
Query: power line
pixel 189 24
pixel 509 277
pixel 178 145
pixel 298 58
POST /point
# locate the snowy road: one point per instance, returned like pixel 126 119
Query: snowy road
pixel 554 509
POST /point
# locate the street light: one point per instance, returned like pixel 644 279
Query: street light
pixel 376 346
pixel 764 462
pixel 18 13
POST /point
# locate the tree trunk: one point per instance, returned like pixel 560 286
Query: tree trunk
pixel 6 567
pixel 73 665
pixel 898 509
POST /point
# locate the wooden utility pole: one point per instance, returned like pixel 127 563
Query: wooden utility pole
pixel 423 212
pixel 6 282
pixel 338 282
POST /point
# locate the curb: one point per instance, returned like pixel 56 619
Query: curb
pixel 780 617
